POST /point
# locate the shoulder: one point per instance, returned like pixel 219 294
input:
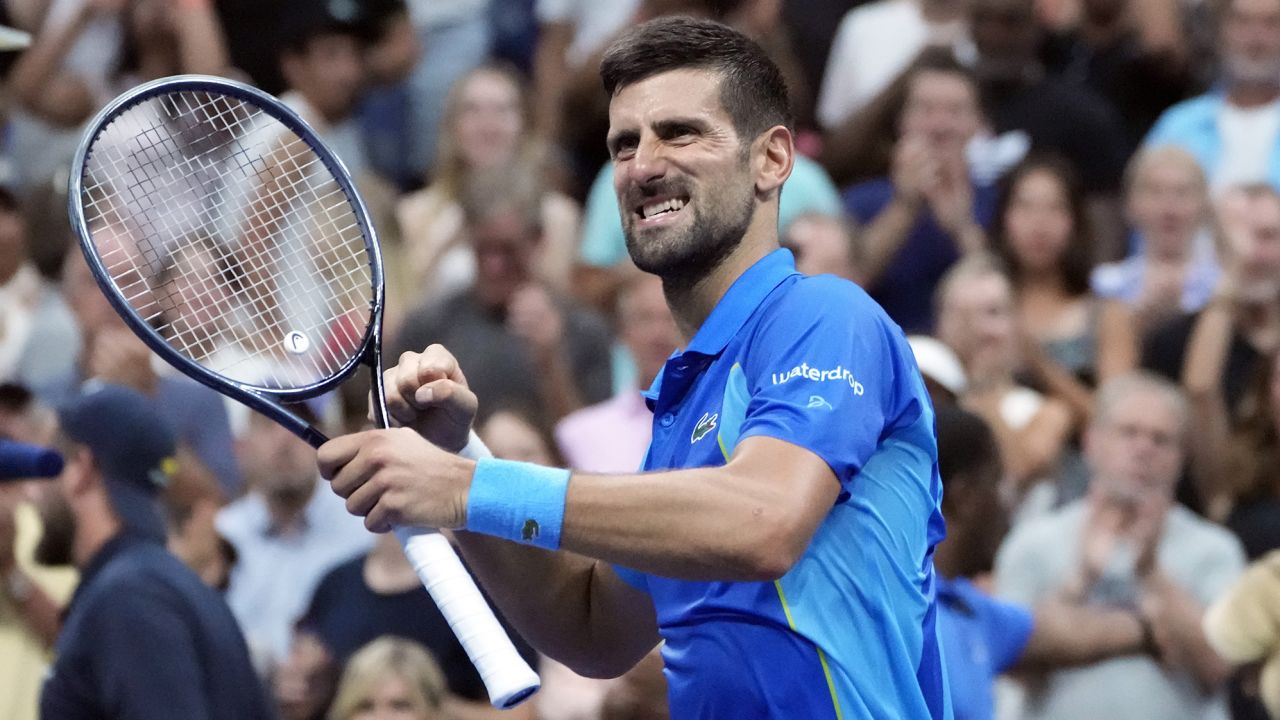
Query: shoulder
pixel 826 299
pixel 1211 541
pixel 1049 532
pixel 144 574
pixel 1185 114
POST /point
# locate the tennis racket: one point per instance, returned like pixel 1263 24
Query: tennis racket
pixel 233 242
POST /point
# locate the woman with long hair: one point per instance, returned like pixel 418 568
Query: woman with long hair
pixel 390 678
pixel 1073 340
pixel 485 131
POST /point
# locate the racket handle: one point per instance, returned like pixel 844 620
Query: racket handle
pixel 506 675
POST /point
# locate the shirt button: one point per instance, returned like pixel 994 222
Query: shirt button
pixel 666 420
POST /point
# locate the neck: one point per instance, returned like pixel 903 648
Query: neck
pixel 286 509
pixel 691 303
pixel 1046 281
pixel 386 570
pixel 1169 253
pixel 93 530
pixel 9 268
pixel 1251 95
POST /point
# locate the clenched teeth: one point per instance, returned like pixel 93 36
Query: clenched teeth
pixel 648 211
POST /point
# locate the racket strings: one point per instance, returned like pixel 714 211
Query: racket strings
pixel 226 232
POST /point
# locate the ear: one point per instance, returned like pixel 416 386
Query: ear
pixel 775 157
pixel 80 473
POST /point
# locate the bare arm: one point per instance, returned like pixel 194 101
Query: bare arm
pixel 38 82
pixel 1029 452
pixel 550 71
pixel 201 43
pixel 1180 632
pixel 1202 370
pixel 1068 634
pixel 884 237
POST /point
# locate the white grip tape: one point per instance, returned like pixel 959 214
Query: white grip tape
pixel 506 675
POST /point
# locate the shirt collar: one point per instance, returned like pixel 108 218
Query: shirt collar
pixel 121 542
pixel 731 313
pixel 740 302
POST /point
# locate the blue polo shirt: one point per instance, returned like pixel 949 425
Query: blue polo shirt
pixel 849 631
pixel 145 639
pixel 982 637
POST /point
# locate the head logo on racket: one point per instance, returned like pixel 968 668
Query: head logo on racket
pixel 296 343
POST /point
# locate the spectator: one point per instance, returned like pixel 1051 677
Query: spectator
pixel 976 318
pixel 1217 352
pixel 876 42
pixel 1133 54
pixel 1044 237
pixel 982 636
pixel 929 211
pixel 38 334
pixel 824 245
pixel 391 676
pixel 570 33
pixel 614 435
pixel 322 58
pixel 143 637
pixel 85 52
pixel 484 131
pixel 31 596
pixel 112 353
pixel 523 346
pixel 288 531
pixel 1234 131
pixel 1173 267
pixel 1129 546
pixel 1044 114
pixel 304 683
pixel 379 594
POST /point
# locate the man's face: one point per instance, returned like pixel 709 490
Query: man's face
pixel 329 73
pixel 1167 203
pixel 275 461
pixel 682 175
pixel 506 249
pixel 1005 34
pixel 1250 42
pixel 1259 249
pixel 976 319
pixel 1137 448
pixel 942 108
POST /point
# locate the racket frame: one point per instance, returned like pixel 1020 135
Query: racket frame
pixel 265 400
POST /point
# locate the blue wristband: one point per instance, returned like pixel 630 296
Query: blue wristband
pixel 518 501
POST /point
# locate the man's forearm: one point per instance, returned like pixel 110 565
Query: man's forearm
pixel 1182 614
pixel 1067 634
pixel 884 236
pixel 558 603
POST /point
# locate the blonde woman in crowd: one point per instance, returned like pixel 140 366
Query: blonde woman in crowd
pixel 485 131
pixel 391 679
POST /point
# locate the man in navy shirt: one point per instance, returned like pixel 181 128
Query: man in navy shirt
pixel 780 542
pixel 143 637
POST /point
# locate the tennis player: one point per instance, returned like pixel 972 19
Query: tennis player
pixel 780 539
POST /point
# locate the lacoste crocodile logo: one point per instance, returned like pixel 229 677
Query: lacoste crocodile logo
pixel 706 424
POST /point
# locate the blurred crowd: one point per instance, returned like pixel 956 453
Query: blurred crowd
pixel 1072 207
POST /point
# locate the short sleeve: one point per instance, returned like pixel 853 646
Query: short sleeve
pixel 827 373
pixel 1008 628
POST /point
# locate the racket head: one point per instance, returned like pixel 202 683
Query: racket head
pixel 164 178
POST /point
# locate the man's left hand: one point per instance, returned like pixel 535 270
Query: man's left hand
pixel 395 478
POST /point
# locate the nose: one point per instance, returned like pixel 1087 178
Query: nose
pixel 649 162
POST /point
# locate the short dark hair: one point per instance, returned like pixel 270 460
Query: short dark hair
pixel 752 89
pixel 967 447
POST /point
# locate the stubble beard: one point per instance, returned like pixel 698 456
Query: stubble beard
pixel 684 257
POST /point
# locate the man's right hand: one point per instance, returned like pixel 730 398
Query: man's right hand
pixel 914 172
pixel 428 393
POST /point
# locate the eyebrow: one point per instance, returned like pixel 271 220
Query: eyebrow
pixel 663 128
